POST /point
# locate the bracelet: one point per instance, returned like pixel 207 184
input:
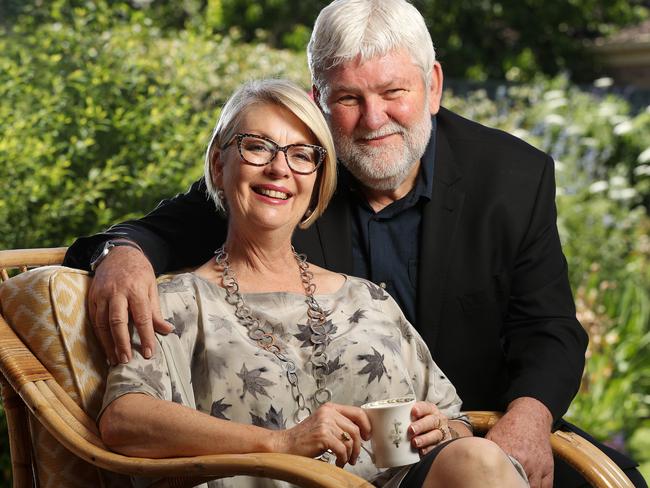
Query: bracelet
pixel 102 252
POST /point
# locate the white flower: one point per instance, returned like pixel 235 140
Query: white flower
pixel 556 103
pixel 618 181
pixel 559 166
pixel 589 141
pixel 603 82
pixel 598 186
pixel 554 119
pixel 644 157
pixel 553 94
pixel 574 129
pixel 607 109
pixel 623 128
pixel 622 194
pixel 520 133
pixel 643 170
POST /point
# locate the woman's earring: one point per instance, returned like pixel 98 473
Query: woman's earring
pixel 307 215
pixel 221 195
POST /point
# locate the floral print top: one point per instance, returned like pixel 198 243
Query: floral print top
pixel 209 362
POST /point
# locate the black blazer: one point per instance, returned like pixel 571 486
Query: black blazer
pixel 493 302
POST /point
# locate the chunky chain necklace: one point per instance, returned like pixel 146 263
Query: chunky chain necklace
pixel 319 338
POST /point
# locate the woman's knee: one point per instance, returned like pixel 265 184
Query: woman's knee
pixel 476 449
pixel 475 456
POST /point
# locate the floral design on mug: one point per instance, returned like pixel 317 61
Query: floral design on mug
pixel 396 435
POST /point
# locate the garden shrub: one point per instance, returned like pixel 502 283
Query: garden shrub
pixel 96 128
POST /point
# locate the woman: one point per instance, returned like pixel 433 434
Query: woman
pixel 271 354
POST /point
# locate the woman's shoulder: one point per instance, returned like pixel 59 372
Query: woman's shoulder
pixel 327 282
pixel 367 289
pixel 177 283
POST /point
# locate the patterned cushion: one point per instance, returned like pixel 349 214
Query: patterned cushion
pixel 47 309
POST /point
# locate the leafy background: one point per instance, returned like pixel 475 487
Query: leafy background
pixel 106 107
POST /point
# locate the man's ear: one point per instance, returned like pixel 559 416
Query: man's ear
pixel 316 95
pixel 435 88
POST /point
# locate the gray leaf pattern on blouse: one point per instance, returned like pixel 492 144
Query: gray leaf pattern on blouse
pixel 173 286
pixel 305 333
pixel 422 352
pixel 376 293
pixel 253 382
pixel 405 330
pixel 390 343
pixel 218 407
pixel 334 364
pixel 153 377
pixel 357 316
pixel 375 367
pixel 177 321
pixel 219 365
pixel 218 322
pixel 273 419
pixel 176 396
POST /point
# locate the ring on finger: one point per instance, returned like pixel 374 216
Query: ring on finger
pixel 345 436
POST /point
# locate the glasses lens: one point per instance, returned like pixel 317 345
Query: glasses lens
pixel 256 151
pixel 303 158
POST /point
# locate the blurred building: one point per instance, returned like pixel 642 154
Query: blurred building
pixel 625 55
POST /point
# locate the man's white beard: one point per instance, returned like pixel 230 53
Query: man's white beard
pixel 384 167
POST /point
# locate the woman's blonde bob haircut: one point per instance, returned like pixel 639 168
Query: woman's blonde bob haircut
pixel 290 96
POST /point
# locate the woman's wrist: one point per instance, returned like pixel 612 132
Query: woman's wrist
pixel 275 441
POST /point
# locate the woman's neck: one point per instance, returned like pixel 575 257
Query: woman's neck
pixel 263 263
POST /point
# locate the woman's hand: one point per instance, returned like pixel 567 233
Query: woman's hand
pixel 429 427
pixel 339 428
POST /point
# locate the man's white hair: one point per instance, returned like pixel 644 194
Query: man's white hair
pixel 347 29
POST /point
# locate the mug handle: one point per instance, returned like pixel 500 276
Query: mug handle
pixel 370 453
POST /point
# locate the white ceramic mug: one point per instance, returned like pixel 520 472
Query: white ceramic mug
pixel 390 420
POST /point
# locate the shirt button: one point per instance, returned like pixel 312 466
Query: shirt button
pixel 382 285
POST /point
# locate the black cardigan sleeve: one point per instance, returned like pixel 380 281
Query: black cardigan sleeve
pixel 180 232
pixel 544 344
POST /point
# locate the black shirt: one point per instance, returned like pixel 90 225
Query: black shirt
pixel 386 244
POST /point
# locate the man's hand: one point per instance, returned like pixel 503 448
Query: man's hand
pixel 125 284
pixel 524 433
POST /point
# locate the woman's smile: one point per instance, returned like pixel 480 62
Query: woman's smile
pixel 272 192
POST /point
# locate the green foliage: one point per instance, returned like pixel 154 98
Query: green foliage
pixel 98 127
pixel 476 40
pixel 516 39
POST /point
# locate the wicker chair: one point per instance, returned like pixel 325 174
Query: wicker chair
pixel 52 381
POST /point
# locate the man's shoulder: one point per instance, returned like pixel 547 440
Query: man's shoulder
pixel 464 133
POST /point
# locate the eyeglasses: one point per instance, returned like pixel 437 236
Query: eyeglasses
pixel 258 150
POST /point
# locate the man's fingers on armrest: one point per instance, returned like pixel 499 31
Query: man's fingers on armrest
pixel 118 321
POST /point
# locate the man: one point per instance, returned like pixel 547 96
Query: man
pixel 455 220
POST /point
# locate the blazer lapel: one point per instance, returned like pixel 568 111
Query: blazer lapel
pixel 439 221
pixel 335 234
pixel 328 243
